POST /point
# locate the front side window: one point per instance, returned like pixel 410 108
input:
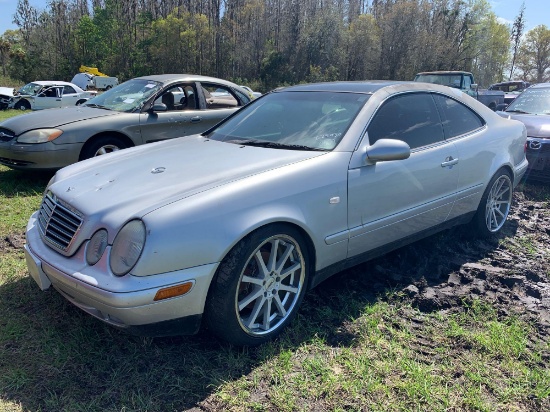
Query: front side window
pixel 293 120
pixel 411 117
pixel 178 97
pixel 457 118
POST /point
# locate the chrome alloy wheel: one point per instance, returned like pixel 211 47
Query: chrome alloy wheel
pixel 270 285
pixel 498 203
pixel 109 148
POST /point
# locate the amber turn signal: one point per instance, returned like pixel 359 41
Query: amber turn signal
pixel 173 291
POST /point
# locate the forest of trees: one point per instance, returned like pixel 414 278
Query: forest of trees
pixel 270 43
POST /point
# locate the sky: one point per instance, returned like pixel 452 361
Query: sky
pixel 536 11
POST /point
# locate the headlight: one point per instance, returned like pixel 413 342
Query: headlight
pixel 127 247
pixel 96 246
pixel 39 136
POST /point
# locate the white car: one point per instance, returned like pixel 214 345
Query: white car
pixel 49 94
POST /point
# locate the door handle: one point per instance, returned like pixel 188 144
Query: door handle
pixel 449 161
pixel 196 119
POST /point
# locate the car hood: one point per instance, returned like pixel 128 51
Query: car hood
pixel 132 182
pixel 6 91
pixel 536 125
pixel 54 118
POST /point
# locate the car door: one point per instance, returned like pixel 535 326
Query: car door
pixel 69 96
pixel 393 200
pixel 48 98
pixel 462 126
pixel 185 114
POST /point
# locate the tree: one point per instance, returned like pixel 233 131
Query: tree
pixel 517 33
pixel 534 55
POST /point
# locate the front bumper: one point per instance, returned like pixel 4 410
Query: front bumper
pixel 127 302
pixel 40 156
pixel 538 155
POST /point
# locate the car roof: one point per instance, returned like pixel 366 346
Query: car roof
pixel 369 86
pixel 52 82
pixel 168 78
pixel 445 72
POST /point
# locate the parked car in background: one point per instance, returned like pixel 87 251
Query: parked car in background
pixel 511 89
pixel 48 94
pixel 255 94
pixel 463 81
pixel 532 108
pixel 230 228
pixel 6 94
pixel 142 110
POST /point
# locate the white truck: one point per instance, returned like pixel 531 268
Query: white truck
pixel 92 78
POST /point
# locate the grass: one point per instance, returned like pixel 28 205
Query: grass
pixel 346 351
pixel 6 114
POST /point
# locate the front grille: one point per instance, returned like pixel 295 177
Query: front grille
pixel 6 135
pixel 58 224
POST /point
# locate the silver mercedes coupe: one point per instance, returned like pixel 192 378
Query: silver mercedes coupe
pixel 228 229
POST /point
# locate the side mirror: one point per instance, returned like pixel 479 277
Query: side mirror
pixel 384 150
pixel 501 107
pixel 474 86
pixel 159 107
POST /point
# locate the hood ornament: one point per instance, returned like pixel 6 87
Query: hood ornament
pixel 158 170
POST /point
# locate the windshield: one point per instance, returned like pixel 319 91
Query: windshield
pixel 532 101
pixel 451 80
pixel 126 97
pixel 293 120
pixel 30 89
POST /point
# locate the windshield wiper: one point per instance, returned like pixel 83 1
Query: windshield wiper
pixel 275 145
pixel 517 111
pixel 98 106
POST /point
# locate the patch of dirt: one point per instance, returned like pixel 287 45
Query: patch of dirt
pixel 12 242
pixel 444 271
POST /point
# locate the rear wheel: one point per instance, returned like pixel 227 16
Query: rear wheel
pixel 258 286
pixel 495 205
pixel 101 146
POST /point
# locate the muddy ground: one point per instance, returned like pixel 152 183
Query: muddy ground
pixel 443 271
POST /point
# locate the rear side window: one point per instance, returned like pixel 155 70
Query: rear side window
pixel 410 117
pixel 458 119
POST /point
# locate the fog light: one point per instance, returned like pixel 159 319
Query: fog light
pixel 96 246
pixel 173 291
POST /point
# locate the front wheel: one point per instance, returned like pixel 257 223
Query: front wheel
pixel 22 105
pixel 258 286
pixel 495 205
pixel 102 146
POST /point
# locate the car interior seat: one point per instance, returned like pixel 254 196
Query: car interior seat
pixel 168 100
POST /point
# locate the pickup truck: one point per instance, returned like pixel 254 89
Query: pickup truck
pixel 465 82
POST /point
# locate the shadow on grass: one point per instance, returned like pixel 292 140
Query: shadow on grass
pixel 22 183
pixel 55 357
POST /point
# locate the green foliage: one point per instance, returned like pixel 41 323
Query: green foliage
pixel 269 42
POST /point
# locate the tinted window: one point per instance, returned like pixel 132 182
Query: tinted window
pixel 410 117
pixel 457 118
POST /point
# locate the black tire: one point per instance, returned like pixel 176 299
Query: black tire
pixel 78 103
pixel 22 105
pixel 239 278
pixel 494 206
pixel 102 145
pixel 108 87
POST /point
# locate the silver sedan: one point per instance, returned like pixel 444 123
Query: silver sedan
pixel 230 228
pixel 141 110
